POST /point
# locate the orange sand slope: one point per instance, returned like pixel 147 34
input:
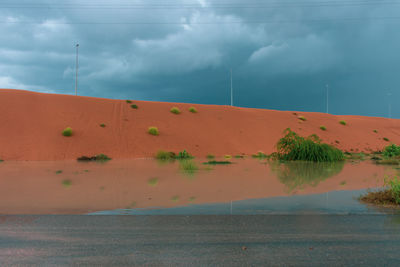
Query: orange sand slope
pixel 31 125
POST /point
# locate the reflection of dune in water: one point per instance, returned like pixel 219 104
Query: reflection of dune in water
pixel 296 175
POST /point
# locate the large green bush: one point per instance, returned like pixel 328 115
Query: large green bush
pixel 294 147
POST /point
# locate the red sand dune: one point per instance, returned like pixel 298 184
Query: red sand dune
pixel 31 125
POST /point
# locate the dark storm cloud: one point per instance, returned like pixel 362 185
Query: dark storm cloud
pixel 283 63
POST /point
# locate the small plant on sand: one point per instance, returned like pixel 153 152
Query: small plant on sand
pixel 102 125
pixel 175 110
pixel 210 156
pixel 294 147
pixel 165 155
pixel 191 199
pixel 153 130
pixel 134 106
pixel 128 101
pixel 67 132
pixel 343 122
pixel 386 139
pixel 343 183
pixel 184 155
pixel 152 181
pixel 100 157
pixel 239 156
pixel 193 109
pixel 375 131
pixel 59 172
pixel 67 183
pixel 322 127
pixel 175 198
pixel 302 118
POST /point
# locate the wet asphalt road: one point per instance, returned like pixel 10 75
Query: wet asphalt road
pixel 280 240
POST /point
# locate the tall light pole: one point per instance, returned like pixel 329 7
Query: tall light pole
pixel 327 98
pixel 77 67
pixel 231 90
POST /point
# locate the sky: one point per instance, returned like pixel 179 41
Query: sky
pixel 283 54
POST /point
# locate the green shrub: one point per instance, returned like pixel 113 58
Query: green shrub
pixel 134 106
pixel 302 118
pixel 193 109
pixel 128 101
pixel 391 151
pixel 1 160
pixel 295 147
pixel 165 155
pixel 323 128
pixel 210 156
pixel 153 130
pixel 67 131
pixel 183 155
pixel 386 139
pixel 175 110
pixel 343 122
pixel 102 125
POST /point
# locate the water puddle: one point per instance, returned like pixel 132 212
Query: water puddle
pixel 147 186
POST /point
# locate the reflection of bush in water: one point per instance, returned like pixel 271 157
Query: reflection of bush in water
pixel 296 175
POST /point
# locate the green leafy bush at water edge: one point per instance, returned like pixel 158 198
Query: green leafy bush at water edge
pixel 391 151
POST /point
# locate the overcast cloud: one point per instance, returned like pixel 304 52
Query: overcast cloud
pixel 184 54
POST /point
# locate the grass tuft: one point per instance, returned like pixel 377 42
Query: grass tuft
pixel 389 196
pixel 294 147
pixel 184 155
pixel 188 166
pixel 59 172
pixel 375 131
pixel 343 122
pixel 165 155
pixel 386 139
pixel 322 127
pixel 128 101
pixel 67 183
pixel 239 156
pixel 67 132
pixel 193 109
pixel 152 181
pixel 260 155
pixel 134 106
pixel 102 125
pixel 175 110
pixel 210 156
pixel 302 118
pixel 153 130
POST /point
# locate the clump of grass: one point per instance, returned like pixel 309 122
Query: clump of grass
pixel 294 147
pixel 193 109
pixel 175 110
pixel 343 183
pixel 343 122
pixel 67 183
pixel 239 156
pixel 215 162
pixel 183 155
pixel 102 125
pixel 99 157
pixel 260 155
pixel 227 156
pixel 388 196
pixel 128 101
pixel 67 132
pixel 134 106
pixel 391 151
pixel 210 156
pixel 175 198
pixel 59 172
pixel 375 131
pixel 165 155
pixel 188 166
pixel 302 118
pixel 386 139
pixel 153 130
pixel 322 127
pixel 152 181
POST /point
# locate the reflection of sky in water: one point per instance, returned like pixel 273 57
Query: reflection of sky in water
pixel 251 185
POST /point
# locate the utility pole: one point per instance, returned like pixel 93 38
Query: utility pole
pixel 231 89
pixel 327 98
pixel 77 67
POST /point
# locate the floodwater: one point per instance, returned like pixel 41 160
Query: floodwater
pixel 148 186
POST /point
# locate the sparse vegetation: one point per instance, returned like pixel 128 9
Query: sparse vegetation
pixel 294 147
pixel 191 199
pixel 67 183
pixel 100 157
pixel 343 122
pixel 214 162
pixel 59 172
pixel 210 156
pixel 134 106
pixel 386 139
pixel 302 118
pixel 175 198
pixel 193 109
pixel 188 166
pixel 175 110
pixel 239 156
pixel 152 181
pixel 165 155
pixel 343 183
pixel 184 155
pixel 67 132
pixel 102 125
pixel 227 156
pixel 128 101
pixel 375 131
pixel 153 130
pixel 322 127
pixel 1 160
pixel 260 155
pixel 388 196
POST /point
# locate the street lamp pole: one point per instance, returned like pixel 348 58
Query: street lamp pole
pixel 77 67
